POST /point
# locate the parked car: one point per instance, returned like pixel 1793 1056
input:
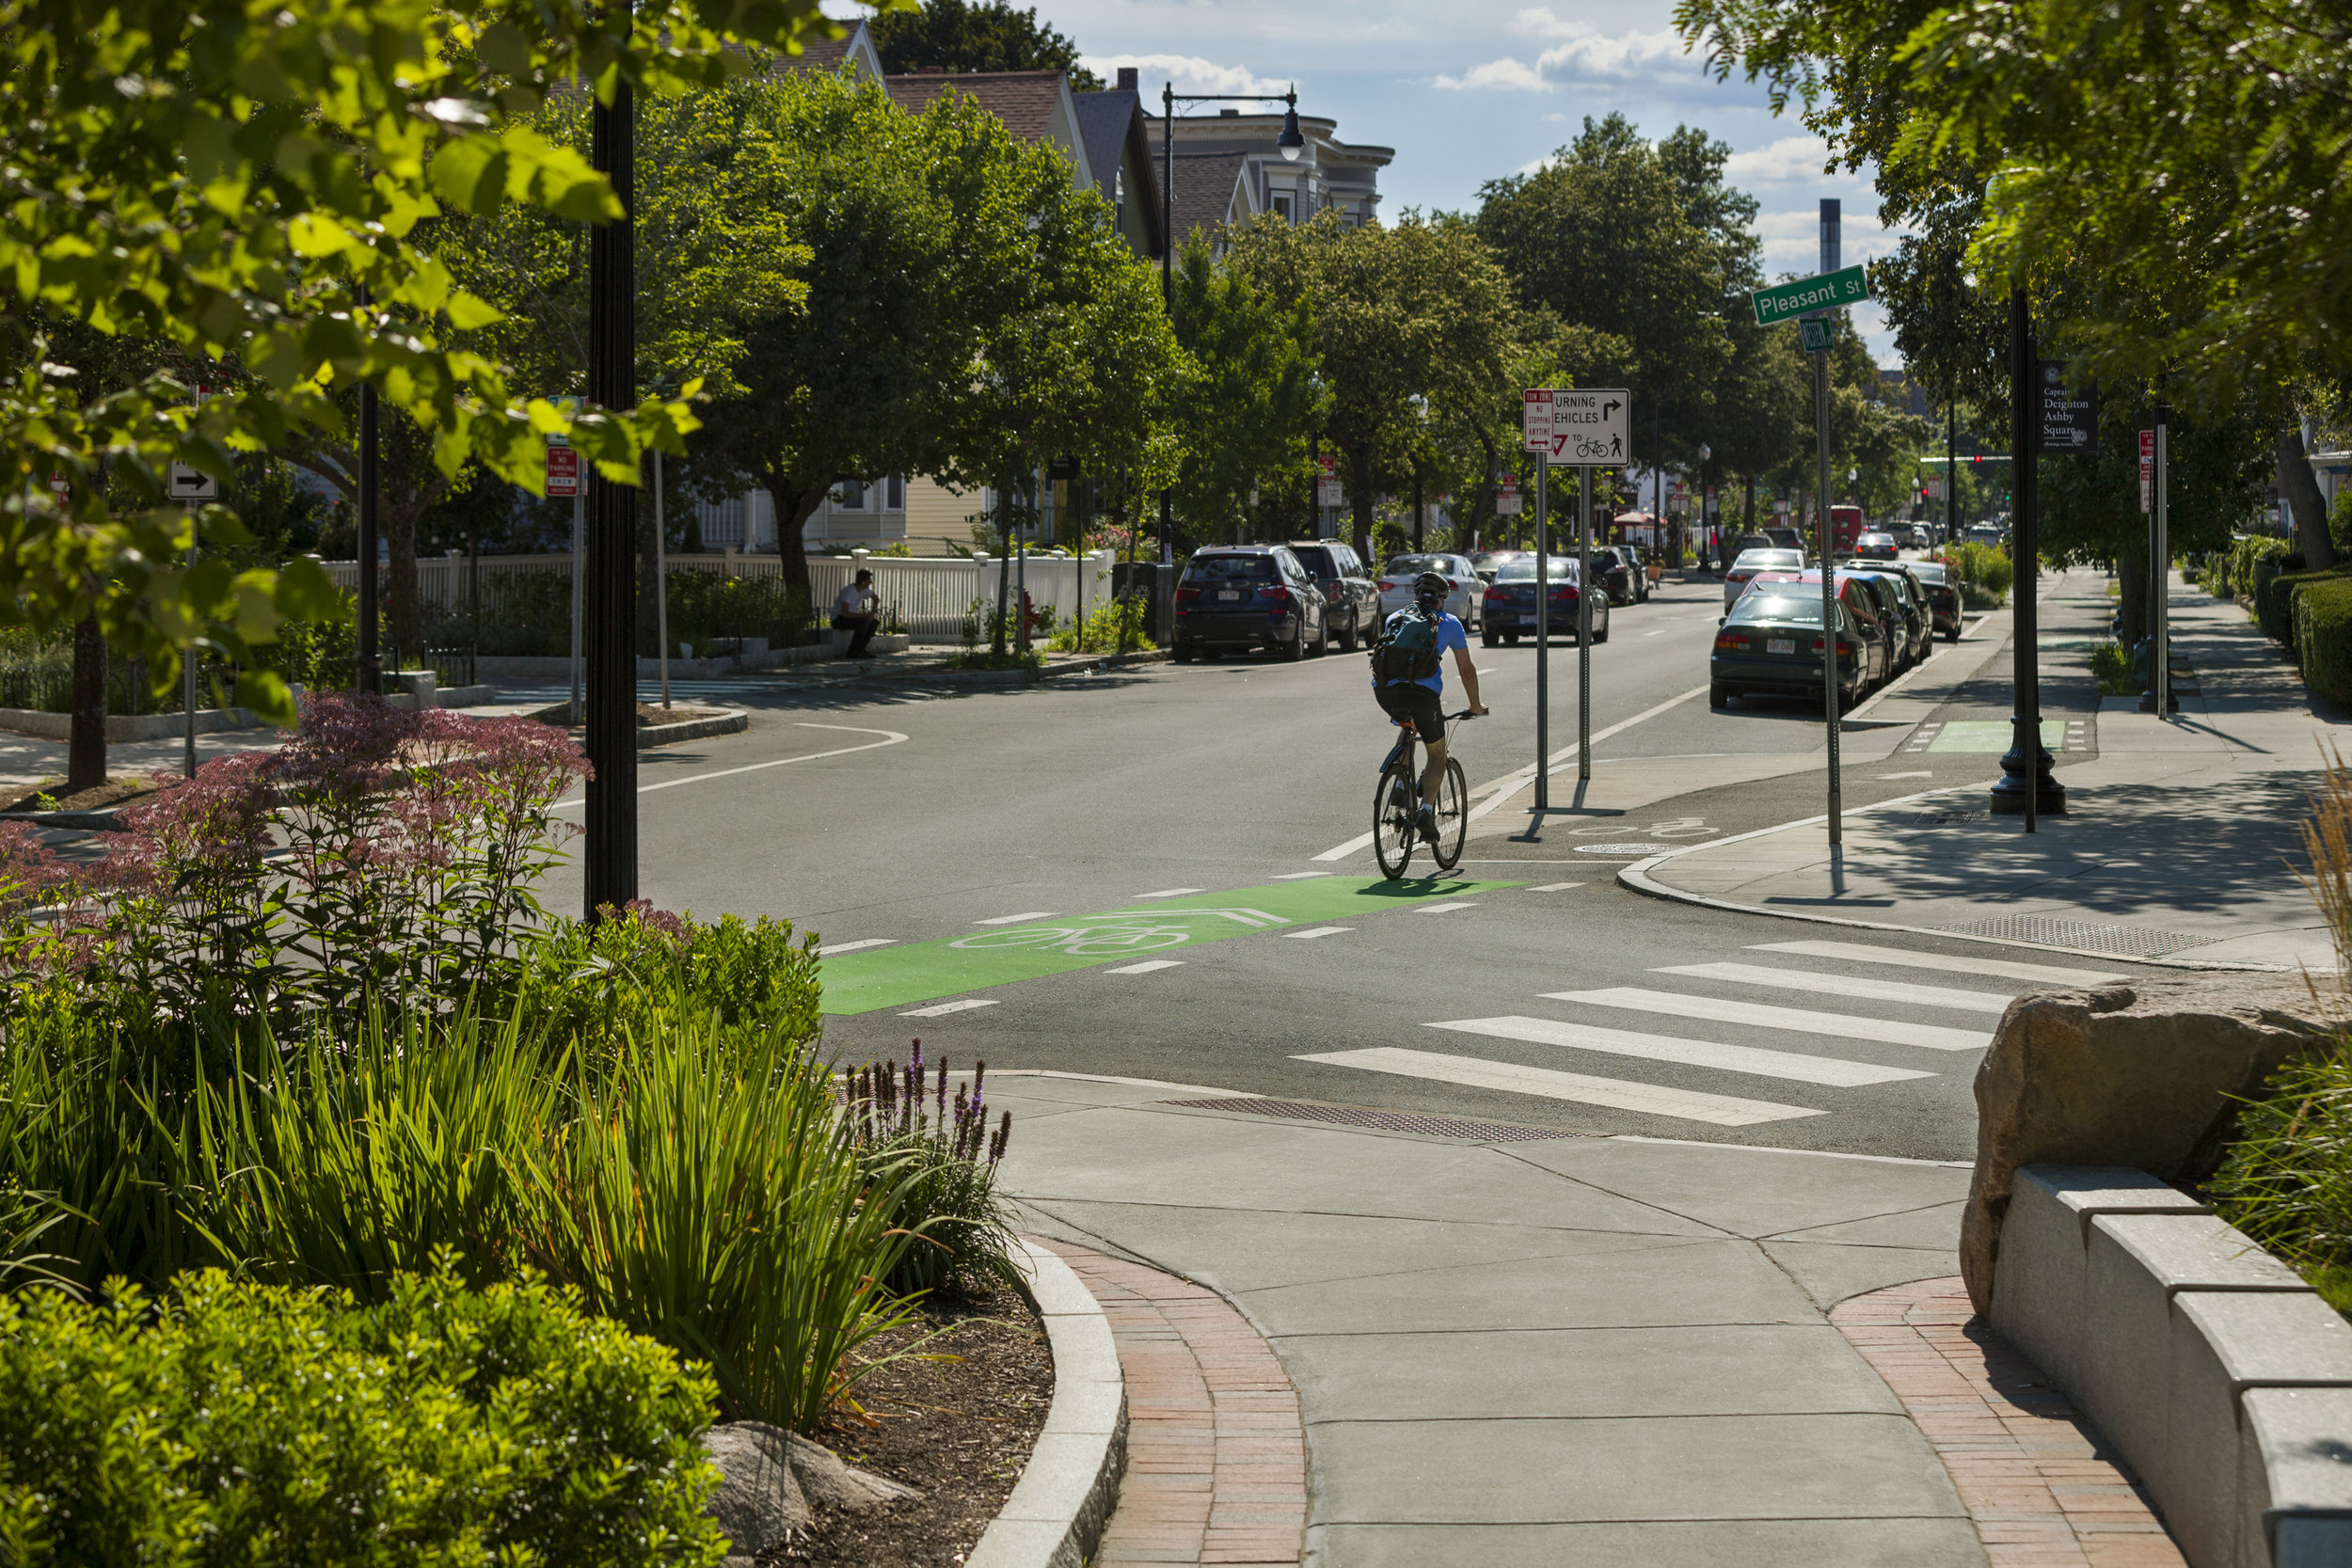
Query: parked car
pixel 1752 541
pixel 1915 536
pixel 1613 576
pixel 1785 538
pixel 1351 610
pixel 1771 644
pixel 1943 590
pixel 1863 606
pixel 1243 596
pixel 1754 561
pixel 1906 576
pixel 1510 602
pixel 1462 596
pixel 1484 562
pixel 1875 546
pixel 1908 616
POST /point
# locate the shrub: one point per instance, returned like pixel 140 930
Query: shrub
pixel 600 983
pixel 2323 636
pixel 2274 601
pixel 242 1425
pixel 1104 624
pixel 2112 667
pixel 947 1160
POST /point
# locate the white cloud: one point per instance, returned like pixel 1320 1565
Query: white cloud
pixel 1789 158
pixel 1505 73
pixel 1189 73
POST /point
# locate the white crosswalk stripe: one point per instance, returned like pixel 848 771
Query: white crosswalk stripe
pixel 1865 953
pixel 1664 1048
pixel 1476 1072
pixel 1842 985
pixel 1801 1020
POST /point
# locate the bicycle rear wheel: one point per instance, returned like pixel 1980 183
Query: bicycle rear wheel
pixel 1393 832
pixel 1452 816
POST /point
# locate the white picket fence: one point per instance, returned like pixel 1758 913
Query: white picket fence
pixel 930 596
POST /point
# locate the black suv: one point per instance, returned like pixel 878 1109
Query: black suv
pixel 1351 610
pixel 1242 596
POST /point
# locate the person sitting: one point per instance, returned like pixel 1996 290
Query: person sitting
pixel 857 611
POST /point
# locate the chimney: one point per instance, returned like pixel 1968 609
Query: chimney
pixel 1127 79
pixel 1229 114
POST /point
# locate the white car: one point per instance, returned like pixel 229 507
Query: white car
pixel 1753 562
pixel 1463 592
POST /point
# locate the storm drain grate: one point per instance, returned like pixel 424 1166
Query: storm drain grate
pixel 1387 1121
pixel 2127 941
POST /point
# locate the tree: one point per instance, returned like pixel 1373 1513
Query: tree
pixel 1253 399
pixel 1418 310
pixel 245 187
pixel 954 35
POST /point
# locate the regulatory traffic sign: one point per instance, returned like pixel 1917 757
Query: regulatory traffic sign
pixel 1591 429
pixel 1508 496
pixel 1536 419
pixel 186 484
pixel 1816 332
pixel 562 472
pixel 2147 470
pixel 1829 291
pixel 1328 493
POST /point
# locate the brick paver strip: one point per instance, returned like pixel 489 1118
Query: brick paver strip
pixel 1216 1460
pixel 2042 1487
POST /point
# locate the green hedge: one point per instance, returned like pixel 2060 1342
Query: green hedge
pixel 2323 638
pixel 2274 605
pixel 262 1426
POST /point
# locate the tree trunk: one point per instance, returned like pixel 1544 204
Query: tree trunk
pixel 1748 507
pixel 1359 501
pixel 792 509
pixel 1417 514
pixel 86 752
pixel 2300 488
pixel 1004 568
pixel 405 602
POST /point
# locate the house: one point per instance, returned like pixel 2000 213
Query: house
pixel 1117 142
pixel 855 49
pixel 1328 175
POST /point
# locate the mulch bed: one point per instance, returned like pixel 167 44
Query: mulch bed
pixel 114 792
pixel 654 713
pixel 959 1427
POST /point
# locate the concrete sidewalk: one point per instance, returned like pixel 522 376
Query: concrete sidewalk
pixel 1514 1348
pixel 2179 844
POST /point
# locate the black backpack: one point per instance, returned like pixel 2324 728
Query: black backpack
pixel 1407 649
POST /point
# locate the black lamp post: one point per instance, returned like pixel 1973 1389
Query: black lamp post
pixel 610 600
pixel 1291 145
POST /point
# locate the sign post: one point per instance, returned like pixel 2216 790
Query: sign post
pixel 563 480
pixel 1536 436
pixel 191 487
pixel 1806 301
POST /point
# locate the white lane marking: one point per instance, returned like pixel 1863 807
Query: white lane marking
pixel 1843 985
pixel 1659 632
pixel 1554 887
pixel 1866 953
pixel 964 1006
pixel 1930 1037
pixel 895 739
pixel 1015 919
pixel 831 948
pixel 1921 773
pixel 1171 892
pixel 1299 876
pixel 1312 932
pixel 1147 966
pixel 1440 909
pixel 1477 1072
pixel 1503 788
pixel 1666 1048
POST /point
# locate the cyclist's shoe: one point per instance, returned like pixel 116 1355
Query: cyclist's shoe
pixel 1427 822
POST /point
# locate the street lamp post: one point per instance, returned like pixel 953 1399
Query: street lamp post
pixel 1291 145
pixel 611 599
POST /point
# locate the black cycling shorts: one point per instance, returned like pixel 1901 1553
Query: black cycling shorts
pixel 1411 699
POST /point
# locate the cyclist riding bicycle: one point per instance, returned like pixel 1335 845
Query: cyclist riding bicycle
pixel 1410 686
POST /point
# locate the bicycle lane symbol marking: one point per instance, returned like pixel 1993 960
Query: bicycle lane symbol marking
pixel 909 972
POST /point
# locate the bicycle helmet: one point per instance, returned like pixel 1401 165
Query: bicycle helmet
pixel 1430 589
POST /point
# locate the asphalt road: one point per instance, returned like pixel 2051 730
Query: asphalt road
pixel 958 850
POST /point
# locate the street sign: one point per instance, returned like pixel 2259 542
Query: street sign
pixel 562 472
pixel 1590 429
pixel 1536 419
pixel 1064 466
pixel 1328 492
pixel 2147 470
pixel 1816 332
pixel 2069 426
pixel 1328 467
pixel 187 485
pixel 1507 497
pixel 1782 301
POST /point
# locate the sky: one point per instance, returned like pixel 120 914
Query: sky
pixel 1475 89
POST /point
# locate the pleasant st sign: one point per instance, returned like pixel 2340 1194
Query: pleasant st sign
pixel 1829 291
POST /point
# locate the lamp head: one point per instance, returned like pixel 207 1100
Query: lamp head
pixel 1290 141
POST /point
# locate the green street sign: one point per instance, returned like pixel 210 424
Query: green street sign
pixel 1829 291
pixel 1815 334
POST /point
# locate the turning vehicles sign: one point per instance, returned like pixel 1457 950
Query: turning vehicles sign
pixel 1578 429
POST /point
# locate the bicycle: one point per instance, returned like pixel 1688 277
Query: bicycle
pixel 1396 809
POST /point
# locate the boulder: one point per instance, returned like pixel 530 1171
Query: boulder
pixel 828 1482
pixel 2141 1073
pixel 759 1504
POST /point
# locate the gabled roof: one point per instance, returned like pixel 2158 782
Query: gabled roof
pixel 1035 105
pixel 1112 126
pixel 1207 187
pixel 853 48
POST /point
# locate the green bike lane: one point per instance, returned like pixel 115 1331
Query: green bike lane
pixel 906 975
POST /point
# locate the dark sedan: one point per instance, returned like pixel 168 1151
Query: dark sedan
pixel 1619 573
pixel 1351 610
pixel 1247 596
pixel 1509 610
pixel 1943 590
pixel 1875 546
pixel 1913 628
pixel 1771 645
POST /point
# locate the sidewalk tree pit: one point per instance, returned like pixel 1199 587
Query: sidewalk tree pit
pixel 298 1070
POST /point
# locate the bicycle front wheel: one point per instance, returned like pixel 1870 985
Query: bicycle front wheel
pixel 1393 832
pixel 1452 816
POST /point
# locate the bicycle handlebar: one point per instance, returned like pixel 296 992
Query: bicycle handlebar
pixel 1466 713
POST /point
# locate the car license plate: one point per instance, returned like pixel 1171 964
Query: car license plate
pixel 1229 592
pixel 1780 645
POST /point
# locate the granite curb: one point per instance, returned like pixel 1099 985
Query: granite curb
pixel 1055 1517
